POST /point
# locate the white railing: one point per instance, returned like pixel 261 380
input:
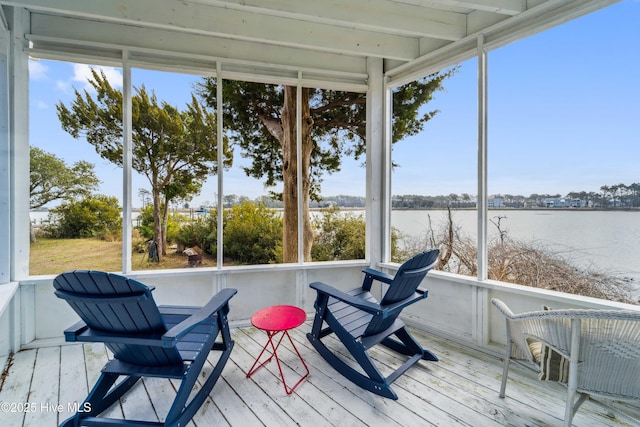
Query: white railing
pixel 9 300
pixel 457 307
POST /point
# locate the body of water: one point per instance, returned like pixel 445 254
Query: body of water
pixel 606 240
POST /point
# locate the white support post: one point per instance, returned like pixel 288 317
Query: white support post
pixel 481 299
pixel 387 170
pixel 5 161
pixel 127 164
pixel 299 168
pixel 220 160
pixel 482 161
pixel 377 239
pixel 18 148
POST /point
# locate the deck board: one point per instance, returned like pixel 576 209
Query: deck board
pixel 268 379
pixel 15 390
pixel 73 378
pixel 460 389
pixel 46 374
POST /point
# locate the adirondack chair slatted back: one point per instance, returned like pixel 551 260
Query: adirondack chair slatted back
pixel 115 304
pixel 409 276
pixel 405 283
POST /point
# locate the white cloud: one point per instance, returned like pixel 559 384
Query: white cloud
pixel 63 86
pixel 82 74
pixel 37 70
pixel 41 105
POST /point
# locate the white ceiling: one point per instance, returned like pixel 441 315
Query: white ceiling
pixel 324 39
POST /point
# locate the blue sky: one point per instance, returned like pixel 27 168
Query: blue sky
pixel 564 115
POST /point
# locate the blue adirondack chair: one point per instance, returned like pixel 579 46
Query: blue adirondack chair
pixel 146 341
pixel 359 321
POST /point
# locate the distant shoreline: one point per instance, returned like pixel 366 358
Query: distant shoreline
pixel 358 208
pixel 521 209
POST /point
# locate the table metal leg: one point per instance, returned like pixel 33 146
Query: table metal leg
pixel 274 352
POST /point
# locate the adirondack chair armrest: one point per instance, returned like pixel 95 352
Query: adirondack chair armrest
pixel 215 305
pixel 397 307
pixel 370 275
pixel 81 332
pixel 71 333
pixel 369 307
pixel 378 275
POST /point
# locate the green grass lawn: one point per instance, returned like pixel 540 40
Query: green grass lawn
pixel 53 256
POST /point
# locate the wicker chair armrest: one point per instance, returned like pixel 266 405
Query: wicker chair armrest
pixel 608 344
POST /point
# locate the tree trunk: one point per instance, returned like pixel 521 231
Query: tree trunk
pixel 157 223
pixel 163 229
pixel 32 233
pixel 290 175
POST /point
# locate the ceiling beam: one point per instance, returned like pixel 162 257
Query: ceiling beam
pixel 536 19
pixel 372 15
pixel 83 36
pixel 505 7
pixel 197 18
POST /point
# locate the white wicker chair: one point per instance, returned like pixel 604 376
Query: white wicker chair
pixel 602 347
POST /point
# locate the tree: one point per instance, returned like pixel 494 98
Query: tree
pixel 340 236
pixel 145 196
pixel 453 199
pixel 230 200
pixel 145 224
pixel 175 150
pixel 51 179
pixel 607 195
pixel 262 121
pixel 635 194
pixel 93 216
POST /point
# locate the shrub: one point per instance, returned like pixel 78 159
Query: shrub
pixel 145 224
pixel 95 216
pixel 201 232
pixel 339 236
pixel 252 234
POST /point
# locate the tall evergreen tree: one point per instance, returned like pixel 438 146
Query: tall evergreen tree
pixel 175 150
pixel 261 120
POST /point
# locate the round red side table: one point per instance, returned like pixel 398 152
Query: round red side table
pixel 278 320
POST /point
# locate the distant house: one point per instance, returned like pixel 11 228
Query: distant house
pixel 554 202
pixel 578 203
pixel 561 202
pixel 496 202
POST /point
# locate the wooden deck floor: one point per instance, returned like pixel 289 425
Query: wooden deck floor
pixel 461 389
